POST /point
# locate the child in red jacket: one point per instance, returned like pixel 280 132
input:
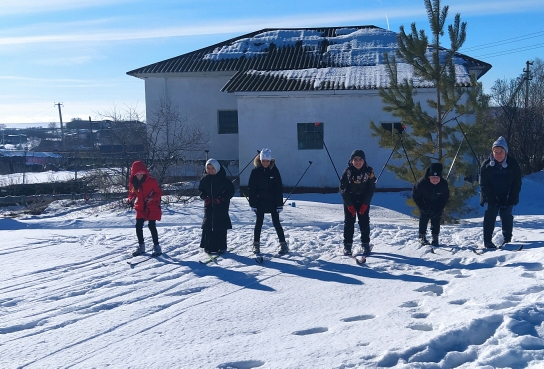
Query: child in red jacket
pixel 145 194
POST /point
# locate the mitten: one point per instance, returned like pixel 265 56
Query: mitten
pixel 207 201
pixel 217 200
pixel 351 209
pixel 363 209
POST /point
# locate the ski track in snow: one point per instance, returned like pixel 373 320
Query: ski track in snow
pixel 86 307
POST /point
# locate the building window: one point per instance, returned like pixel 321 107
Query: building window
pixel 227 121
pixel 310 136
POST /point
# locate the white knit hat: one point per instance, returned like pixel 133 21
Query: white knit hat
pixel 214 163
pixel 266 154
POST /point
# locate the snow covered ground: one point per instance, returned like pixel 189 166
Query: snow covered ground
pixel 68 298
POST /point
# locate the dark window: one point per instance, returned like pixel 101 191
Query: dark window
pixel 227 121
pixel 310 136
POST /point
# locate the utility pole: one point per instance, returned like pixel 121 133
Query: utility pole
pixel 91 128
pixel 527 79
pixel 61 127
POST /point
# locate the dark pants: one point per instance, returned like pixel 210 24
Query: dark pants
pixel 259 225
pixel 435 224
pixel 214 241
pixel 490 217
pixel 152 225
pixel 349 224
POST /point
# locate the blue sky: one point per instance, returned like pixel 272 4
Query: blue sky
pixel 77 52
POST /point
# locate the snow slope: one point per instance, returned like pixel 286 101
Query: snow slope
pixel 68 299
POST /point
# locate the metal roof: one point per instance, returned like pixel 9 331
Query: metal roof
pixel 302 59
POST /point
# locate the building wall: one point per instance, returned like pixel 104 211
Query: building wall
pixel 198 97
pixel 271 121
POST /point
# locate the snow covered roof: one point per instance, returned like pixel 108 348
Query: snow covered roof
pixel 21 153
pixel 333 58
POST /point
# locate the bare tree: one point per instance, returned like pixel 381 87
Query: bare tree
pixel 171 138
pixel 166 138
pixel 519 116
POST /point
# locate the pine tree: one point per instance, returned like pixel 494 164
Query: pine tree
pixel 434 133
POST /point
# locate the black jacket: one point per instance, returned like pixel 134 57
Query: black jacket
pixel 431 198
pixel 357 186
pixel 499 185
pixel 216 187
pixel 265 187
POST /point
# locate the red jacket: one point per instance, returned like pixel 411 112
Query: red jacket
pixel 147 198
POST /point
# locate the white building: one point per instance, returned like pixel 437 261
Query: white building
pixel 269 88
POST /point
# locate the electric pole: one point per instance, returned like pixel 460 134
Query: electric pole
pixel 527 79
pixel 61 127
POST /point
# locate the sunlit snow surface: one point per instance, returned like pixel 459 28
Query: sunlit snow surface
pixel 69 299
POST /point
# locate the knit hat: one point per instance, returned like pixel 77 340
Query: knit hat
pixel 359 153
pixel 501 142
pixel 214 163
pixel 266 154
pixel 434 170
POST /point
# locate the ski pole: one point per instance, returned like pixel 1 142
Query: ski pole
pixel 407 158
pixel 455 158
pixel 466 138
pixel 297 182
pixel 258 152
pixel 403 129
pixel 242 192
pixel 323 140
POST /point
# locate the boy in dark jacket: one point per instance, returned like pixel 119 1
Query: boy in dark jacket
pixel 266 197
pixel 500 185
pixel 357 187
pixel 216 190
pixel 431 194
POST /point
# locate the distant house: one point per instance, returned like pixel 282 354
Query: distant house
pixel 269 88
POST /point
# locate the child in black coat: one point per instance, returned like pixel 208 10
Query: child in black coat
pixel 357 187
pixel 266 197
pixel 216 190
pixel 431 194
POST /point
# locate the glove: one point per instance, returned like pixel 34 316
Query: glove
pixel 425 211
pixel 130 203
pixel 207 201
pixel 351 209
pixel 254 210
pixel 217 200
pixel 279 209
pixel 363 208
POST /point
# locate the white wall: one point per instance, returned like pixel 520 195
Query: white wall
pixel 271 121
pixel 198 97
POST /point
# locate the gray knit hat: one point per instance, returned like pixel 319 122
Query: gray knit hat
pixel 501 142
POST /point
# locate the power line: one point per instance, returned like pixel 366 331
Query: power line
pixel 506 41
pixel 510 51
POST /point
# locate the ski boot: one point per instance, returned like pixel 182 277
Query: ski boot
pixel 156 250
pixel 347 249
pixel 489 245
pixel 283 248
pixel 256 248
pixel 423 240
pixel 366 248
pixel 140 250
pixel 435 242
